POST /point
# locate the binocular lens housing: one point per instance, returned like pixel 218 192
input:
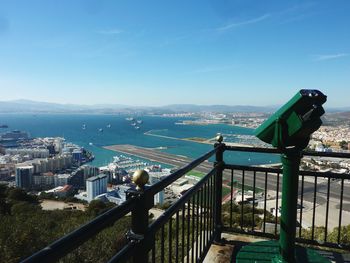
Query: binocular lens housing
pixel 295 121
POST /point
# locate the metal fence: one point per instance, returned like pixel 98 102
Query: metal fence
pixel 185 231
pixel 255 200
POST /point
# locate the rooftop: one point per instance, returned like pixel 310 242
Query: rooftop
pixel 97 177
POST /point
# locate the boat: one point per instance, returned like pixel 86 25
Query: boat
pixel 137 127
pixel 139 121
pixel 109 126
pixel 133 124
pixel 100 130
pixel 83 127
pixel 90 143
pixel 130 119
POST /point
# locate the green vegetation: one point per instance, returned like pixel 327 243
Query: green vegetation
pixel 247 218
pixel 332 236
pixel 196 173
pixel 344 145
pixel 225 191
pixel 319 232
pixel 25 228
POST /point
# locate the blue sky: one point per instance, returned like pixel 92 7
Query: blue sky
pixel 162 52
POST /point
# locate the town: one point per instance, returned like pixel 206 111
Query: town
pixel 55 169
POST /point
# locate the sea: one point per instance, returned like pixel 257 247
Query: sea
pixel 165 131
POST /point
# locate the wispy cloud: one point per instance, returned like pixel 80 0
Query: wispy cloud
pixel 330 56
pixel 110 32
pixel 305 6
pixel 243 23
pixel 298 12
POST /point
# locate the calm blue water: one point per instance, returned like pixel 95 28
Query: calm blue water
pixel 121 132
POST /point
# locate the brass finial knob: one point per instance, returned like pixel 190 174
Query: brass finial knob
pixel 219 138
pixel 140 178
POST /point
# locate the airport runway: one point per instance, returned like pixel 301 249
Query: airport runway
pixel 180 161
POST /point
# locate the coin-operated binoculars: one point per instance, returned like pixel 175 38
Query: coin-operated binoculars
pixel 292 124
pixel 289 129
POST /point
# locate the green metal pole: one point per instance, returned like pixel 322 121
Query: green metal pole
pixel 218 190
pixel 291 162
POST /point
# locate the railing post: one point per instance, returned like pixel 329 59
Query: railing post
pixel 219 164
pixel 140 216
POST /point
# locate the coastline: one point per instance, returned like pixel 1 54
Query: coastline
pixel 210 141
pixel 205 123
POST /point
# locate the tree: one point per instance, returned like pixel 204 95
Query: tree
pixel 23 208
pixel 3 189
pixel 17 194
pixel 343 144
pixel 97 207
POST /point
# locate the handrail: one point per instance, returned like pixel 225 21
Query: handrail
pixel 277 151
pixel 157 187
pixel 278 170
pixel 161 220
pixel 124 254
pixel 69 242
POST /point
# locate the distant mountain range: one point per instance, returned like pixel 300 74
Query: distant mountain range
pixel 28 106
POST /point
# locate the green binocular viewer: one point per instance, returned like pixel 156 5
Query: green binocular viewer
pixel 295 121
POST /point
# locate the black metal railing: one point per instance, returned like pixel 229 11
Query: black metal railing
pixel 229 198
pixel 183 233
pixel 255 199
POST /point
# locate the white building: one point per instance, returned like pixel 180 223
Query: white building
pixel 61 179
pixel 159 197
pixel 96 185
pixel 58 143
pixel 43 180
pixel 89 171
pixel 31 152
pixel 24 176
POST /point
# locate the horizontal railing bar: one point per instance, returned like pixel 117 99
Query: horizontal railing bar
pixel 161 220
pixel 251 149
pixel 277 151
pixel 157 187
pixel 327 154
pixel 277 170
pixel 325 174
pixel 80 235
pixel 252 168
pixel 124 254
